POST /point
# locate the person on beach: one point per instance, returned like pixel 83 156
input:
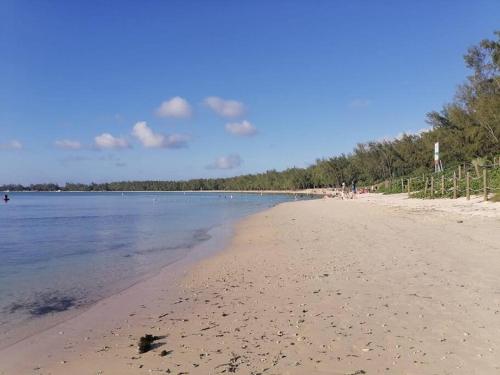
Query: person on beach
pixel 343 190
pixel 353 188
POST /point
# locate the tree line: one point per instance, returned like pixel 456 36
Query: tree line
pixel 467 128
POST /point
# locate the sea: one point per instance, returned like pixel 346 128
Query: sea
pixel 63 251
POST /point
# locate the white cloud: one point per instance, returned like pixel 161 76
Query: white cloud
pixel 225 108
pixel 150 139
pixel 413 132
pixel 360 103
pixel 11 145
pixel 176 107
pixel 226 162
pixel 68 144
pixel 107 141
pixel 400 136
pixel 243 128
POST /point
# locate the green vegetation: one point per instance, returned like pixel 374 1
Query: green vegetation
pixel 443 183
pixel 467 128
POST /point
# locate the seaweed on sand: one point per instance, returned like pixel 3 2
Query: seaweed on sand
pixel 146 343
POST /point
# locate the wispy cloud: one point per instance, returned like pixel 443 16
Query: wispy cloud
pixel 175 107
pixel 107 141
pixel 243 129
pixel 68 144
pixel 360 103
pixel 224 107
pixel 150 139
pixel 11 145
pixel 111 158
pixel 74 159
pixel 226 162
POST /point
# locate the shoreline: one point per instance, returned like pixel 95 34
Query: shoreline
pixel 292 278
pixel 220 235
pixel 16 328
pixel 284 192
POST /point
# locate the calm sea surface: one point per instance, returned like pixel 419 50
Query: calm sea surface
pixel 59 251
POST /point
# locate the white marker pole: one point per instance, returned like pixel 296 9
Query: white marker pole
pixel 436 157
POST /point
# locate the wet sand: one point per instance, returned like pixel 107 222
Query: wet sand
pixel 324 286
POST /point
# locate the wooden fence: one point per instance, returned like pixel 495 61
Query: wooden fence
pixel 466 179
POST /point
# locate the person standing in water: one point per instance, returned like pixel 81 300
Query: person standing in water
pixel 6 198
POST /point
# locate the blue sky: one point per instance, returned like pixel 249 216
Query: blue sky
pixel 114 90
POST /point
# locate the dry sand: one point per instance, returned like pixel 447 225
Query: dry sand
pixel 476 206
pixel 324 286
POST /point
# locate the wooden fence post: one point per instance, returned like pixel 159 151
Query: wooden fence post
pixel 425 187
pixel 402 185
pixel 442 185
pixel 485 187
pixel 454 185
pixel 459 172
pixel 432 186
pixel 409 188
pixel 467 186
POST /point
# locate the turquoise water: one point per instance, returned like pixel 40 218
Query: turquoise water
pixel 60 251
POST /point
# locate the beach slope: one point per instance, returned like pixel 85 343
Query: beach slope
pixel 323 286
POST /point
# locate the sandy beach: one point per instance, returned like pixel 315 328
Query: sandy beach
pixel 368 286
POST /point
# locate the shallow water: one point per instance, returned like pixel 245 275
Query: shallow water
pixel 59 251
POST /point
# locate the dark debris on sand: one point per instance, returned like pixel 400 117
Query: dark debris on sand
pixel 146 343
